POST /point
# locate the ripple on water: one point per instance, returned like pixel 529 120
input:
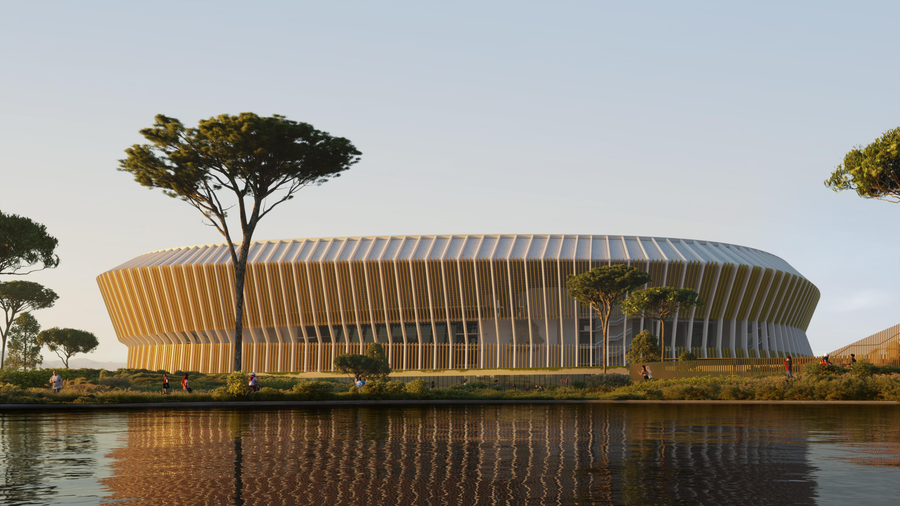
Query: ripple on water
pixel 541 454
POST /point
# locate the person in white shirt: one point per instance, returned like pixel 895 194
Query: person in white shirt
pixel 56 381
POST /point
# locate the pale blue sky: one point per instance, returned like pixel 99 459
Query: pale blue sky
pixel 692 119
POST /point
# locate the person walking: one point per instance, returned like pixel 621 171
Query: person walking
pixel 852 359
pixel 645 373
pixel 789 367
pixel 56 381
pixel 165 384
pixel 185 386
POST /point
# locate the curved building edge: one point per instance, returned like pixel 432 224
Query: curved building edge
pixel 477 301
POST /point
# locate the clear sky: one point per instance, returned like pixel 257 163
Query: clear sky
pixel 705 120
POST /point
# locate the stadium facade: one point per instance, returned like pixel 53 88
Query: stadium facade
pixel 444 301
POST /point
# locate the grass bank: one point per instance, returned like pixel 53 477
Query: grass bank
pixel 129 386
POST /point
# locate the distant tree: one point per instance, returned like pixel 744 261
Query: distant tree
pixel 245 158
pixel 872 171
pixel 17 297
pixel 68 342
pixel 660 303
pixel 25 244
pixel 357 366
pixel 601 288
pixel 372 365
pixel 644 348
pixel 687 356
pixel 382 368
pixel 24 350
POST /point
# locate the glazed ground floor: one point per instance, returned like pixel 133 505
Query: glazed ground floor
pixel 462 345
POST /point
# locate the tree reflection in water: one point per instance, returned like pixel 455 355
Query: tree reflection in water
pixel 635 454
pixel 45 453
pixel 563 454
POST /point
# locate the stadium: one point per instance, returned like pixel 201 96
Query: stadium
pixel 444 301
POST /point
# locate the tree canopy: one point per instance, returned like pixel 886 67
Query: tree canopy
pixel 246 161
pixel 660 303
pixel 644 348
pixel 25 245
pixel 601 288
pixel 24 350
pixel 374 364
pixel 872 171
pixel 17 297
pixel 68 342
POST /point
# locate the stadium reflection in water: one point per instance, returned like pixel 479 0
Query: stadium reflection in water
pixel 632 454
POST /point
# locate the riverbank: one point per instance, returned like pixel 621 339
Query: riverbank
pixel 406 403
pixel 138 387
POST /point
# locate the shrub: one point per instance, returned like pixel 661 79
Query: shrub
pixel 417 386
pixel 236 384
pixel 644 348
pixel 26 379
pixel 315 390
pixel 686 392
pixel 579 385
pixel 686 356
pixel 384 389
pixel 605 382
pixel 654 394
pixel 468 387
pixel 268 394
pixel 735 393
pixel 815 369
pixel 862 368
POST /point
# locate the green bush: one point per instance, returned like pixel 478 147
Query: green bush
pixel 236 384
pixel 26 379
pixel 579 385
pixel 606 382
pixel 644 348
pixel 689 392
pixel 469 386
pixel 817 369
pixel 862 368
pixel 315 390
pixel 417 386
pixel 653 394
pixel 381 389
pixel 687 356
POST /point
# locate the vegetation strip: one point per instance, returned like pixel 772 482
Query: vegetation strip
pixel 396 403
pixel 91 387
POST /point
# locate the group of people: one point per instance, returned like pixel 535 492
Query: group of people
pixel 185 384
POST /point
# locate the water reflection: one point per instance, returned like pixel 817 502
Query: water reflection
pixel 50 457
pixel 544 454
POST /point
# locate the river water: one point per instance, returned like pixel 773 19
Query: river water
pixel 579 454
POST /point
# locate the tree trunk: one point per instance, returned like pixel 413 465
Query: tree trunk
pixel 4 335
pixel 605 322
pixel 239 274
pixel 662 340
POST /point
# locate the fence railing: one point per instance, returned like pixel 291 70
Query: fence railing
pixel 746 367
pixel 881 348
